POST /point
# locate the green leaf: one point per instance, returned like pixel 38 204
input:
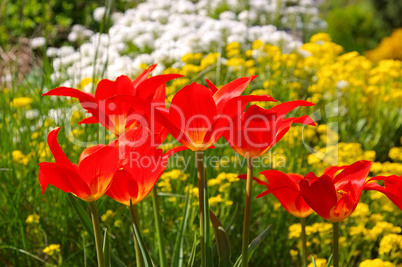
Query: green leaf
pixel 82 215
pixel 193 251
pixel 330 260
pixel 314 262
pixel 253 245
pixel 24 252
pixel 106 248
pixel 141 244
pixel 87 223
pixel 222 241
pixel 177 258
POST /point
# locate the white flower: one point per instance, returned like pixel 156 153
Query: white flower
pixel 99 13
pixel 37 42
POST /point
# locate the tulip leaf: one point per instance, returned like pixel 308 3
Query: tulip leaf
pixel 106 248
pixel 82 215
pixel 87 223
pixel 141 244
pixel 253 245
pixel 177 258
pixel 222 241
pixel 330 260
pixel 193 251
pixel 314 264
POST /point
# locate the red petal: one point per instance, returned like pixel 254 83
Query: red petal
pixel 71 92
pixel 229 91
pixel 320 195
pixel 143 76
pixel 332 170
pixel 56 150
pixel 97 169
pixel 284 108
pixel 193 111
pixel 123 188
pixel 353 178
pixel 89 151
pixel 63 178
pixel 107 88
pixel 89 120
pixel 211 86
pixel 228 122
pixel 147 89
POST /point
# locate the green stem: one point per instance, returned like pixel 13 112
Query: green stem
pixel 304 241
pixel 162 253
pixel 335 244
pixel 203 208
pixel 247 207
pixel 138 255
pixel 97 233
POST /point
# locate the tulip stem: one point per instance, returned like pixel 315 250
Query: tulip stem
pixel 134 220
pixel 203 209
pixel 159 232
pixel 335 245
pixel 304 241
pixel 247 208
pixel 97 233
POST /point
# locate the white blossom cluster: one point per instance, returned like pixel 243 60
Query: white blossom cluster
pixel 162 31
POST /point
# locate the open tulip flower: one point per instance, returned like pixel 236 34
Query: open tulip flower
pixel 285 187
pixel 141 168
pixel 123 104
pixel 198 115
pixel 392 187
pixel 257 129
pixel 335 196
pixel 88 180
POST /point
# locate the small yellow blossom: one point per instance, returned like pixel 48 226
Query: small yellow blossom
pixel 52 249
pixel 20 102
pixel 33 218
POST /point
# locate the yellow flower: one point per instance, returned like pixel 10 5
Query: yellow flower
pixel 20 102
pixel 293 252
pixel 390 242
pixel 320 37
pixel 52 249
pixel 107 215
pixel 33 218
pixel 20 158
pixel 376 263
pixel 319 263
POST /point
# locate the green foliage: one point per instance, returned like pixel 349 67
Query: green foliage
pixel 355 28
pixel 51 19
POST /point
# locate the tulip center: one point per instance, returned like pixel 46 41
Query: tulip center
pixel 340 194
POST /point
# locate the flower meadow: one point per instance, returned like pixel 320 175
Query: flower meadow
pixel 207 133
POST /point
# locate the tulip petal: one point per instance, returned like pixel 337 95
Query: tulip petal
pixel 63 178
pixel 56 150
pixel 107 88
pixel 228 121
pixel 147 89
pixel 193 111
pixel 211 86
pixel 319 193
pixel 123 188
pixel 143 76
pixel 352 179
pixel 71 92
pixel 284 108
pixel 229 91
pixel 89 120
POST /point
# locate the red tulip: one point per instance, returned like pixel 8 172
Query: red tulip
pixel 335 196
pixel 392 187
pixel 88 180
pixel 198 115
pixel 122 104
pixel 142 166
pixel 285 187
pixel 257 129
